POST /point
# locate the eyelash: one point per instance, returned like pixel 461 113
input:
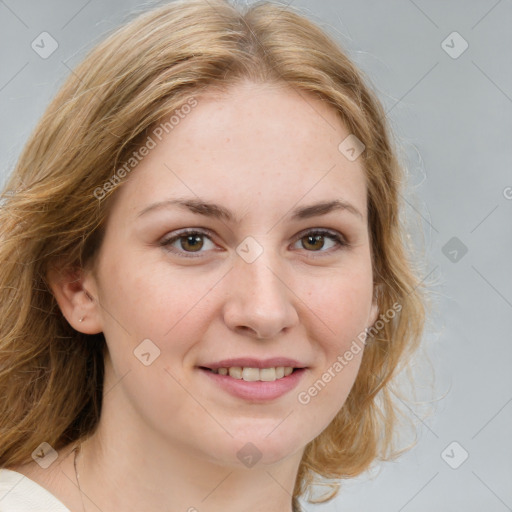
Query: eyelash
pixel 166 242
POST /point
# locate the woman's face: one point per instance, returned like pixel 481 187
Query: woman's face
pixel 255 281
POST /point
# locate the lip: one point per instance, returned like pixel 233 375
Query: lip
pixel 258 391
pixel 252 362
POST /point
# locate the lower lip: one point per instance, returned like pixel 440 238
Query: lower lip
pixel 257 390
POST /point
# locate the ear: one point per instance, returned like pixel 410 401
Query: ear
pixel 75 292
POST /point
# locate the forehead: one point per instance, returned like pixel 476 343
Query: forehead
pixel 253 145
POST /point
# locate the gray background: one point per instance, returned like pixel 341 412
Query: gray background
pixel 452 117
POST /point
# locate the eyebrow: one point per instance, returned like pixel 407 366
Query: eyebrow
pixel 214 210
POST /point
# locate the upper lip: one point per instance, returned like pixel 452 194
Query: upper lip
pixel 251 362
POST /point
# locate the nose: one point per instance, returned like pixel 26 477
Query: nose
pixel 259 300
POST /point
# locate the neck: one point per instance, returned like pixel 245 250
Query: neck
pixel 171 480
pixel 126 465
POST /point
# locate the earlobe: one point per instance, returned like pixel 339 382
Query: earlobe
pixel 71 289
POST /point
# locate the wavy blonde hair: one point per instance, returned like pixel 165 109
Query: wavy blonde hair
pixel 51 376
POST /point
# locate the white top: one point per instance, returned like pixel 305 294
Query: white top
pixel 19 493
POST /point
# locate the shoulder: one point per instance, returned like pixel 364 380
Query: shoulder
pixel 19 493
pixel 29 487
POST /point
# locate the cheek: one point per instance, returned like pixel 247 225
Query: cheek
pixel 143 302
pixel 325 394
pixel 152 299
pixel 161 302
pixel 341 304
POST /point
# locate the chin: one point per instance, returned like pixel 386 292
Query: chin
pixel 254 448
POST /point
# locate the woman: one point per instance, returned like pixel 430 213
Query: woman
pixel 206 289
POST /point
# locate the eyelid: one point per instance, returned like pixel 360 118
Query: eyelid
pixel 166 241
pixel 337 237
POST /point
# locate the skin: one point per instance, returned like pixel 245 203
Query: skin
pixel 168 437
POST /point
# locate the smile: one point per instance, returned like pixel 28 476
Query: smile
pixel 249 374
pixel 255 384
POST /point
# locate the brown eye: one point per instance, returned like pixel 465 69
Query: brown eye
pixel 189 243
pixel 315 240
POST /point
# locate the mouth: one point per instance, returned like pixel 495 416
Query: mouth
pixel 252 384
pixel 252 374
pixel 253 379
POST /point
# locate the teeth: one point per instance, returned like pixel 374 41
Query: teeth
pixel 267 374
pixel 256 374
pixel 235 372
pixel 250 374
